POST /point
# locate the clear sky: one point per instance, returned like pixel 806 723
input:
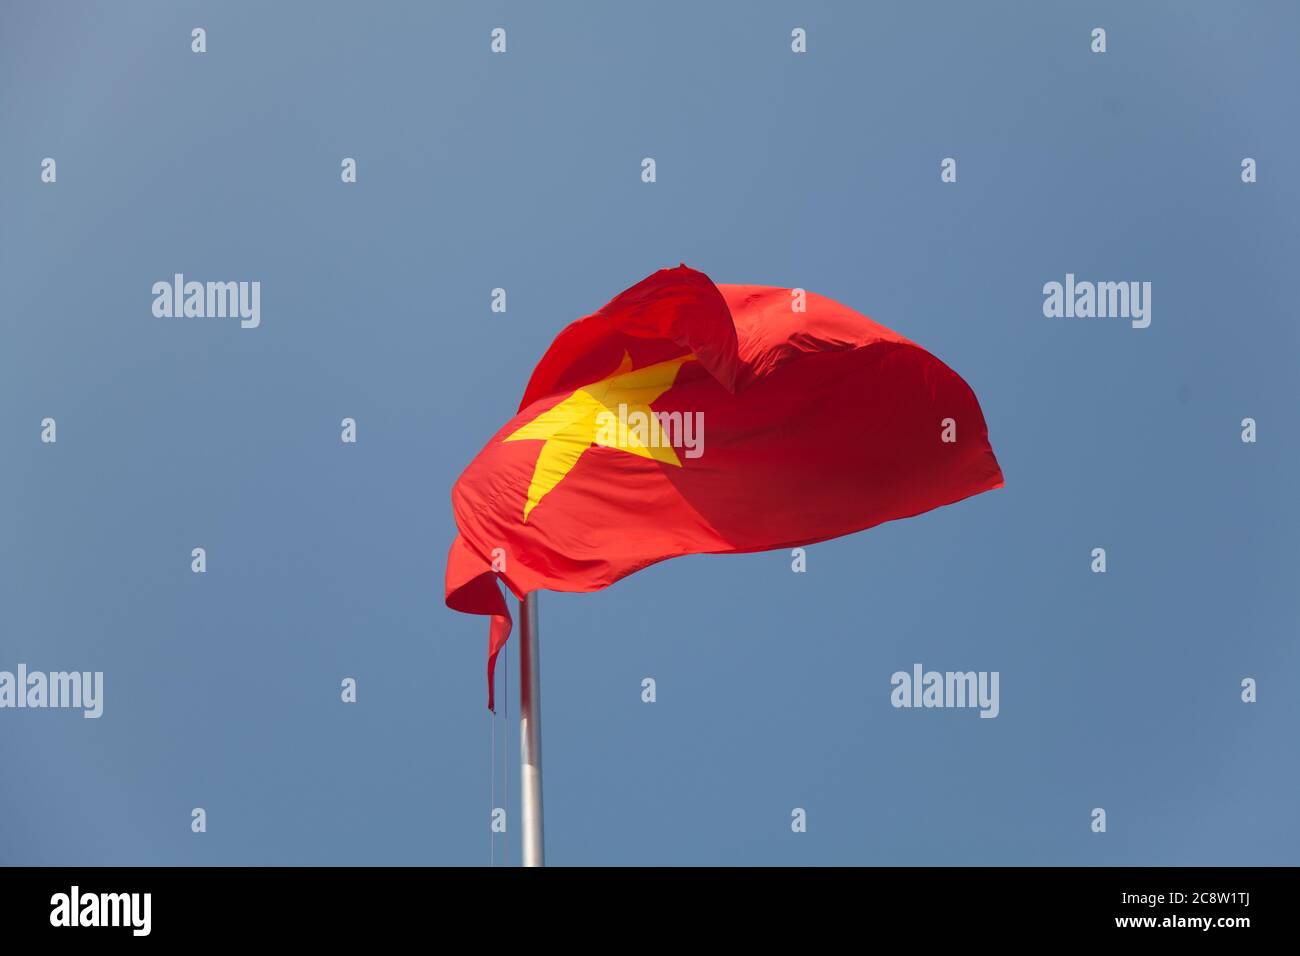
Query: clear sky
pixel 821 170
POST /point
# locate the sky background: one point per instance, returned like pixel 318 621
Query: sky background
pixel 522 171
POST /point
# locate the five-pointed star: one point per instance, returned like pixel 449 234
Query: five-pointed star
pixel 583 419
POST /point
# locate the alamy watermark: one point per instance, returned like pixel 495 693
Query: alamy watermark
pixel 1098 300
pixel 76 908
pixel 922 688
pixel 77 690
pixel 209 300
pixel 652 429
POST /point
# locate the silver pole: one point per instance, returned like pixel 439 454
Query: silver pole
pixel 530 732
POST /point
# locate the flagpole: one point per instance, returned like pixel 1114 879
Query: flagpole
pixel 530 733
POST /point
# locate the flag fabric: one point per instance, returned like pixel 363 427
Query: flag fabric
pixel 686 417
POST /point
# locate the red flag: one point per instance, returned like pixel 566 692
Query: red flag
pixel 687 418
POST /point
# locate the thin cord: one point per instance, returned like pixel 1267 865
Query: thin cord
pixel 505 759
pixel 492 789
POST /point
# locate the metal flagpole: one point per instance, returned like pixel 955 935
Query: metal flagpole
pixel 530 733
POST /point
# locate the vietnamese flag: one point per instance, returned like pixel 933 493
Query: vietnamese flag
pixel 686 417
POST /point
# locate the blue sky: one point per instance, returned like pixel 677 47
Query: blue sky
pixel 522 171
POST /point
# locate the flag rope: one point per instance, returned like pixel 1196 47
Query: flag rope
pixel 505 758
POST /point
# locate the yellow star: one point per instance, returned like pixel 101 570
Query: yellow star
pixel 590 416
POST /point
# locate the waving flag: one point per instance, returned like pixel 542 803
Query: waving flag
pixel 687 418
